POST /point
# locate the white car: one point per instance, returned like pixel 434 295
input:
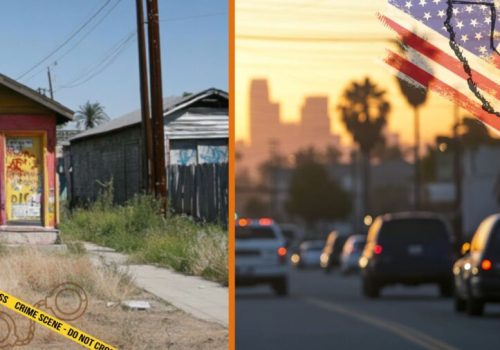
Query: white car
pixel 309 254
pixel 353 248
pixel 261 256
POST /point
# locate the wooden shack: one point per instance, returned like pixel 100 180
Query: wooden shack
pixel 28 179
pixel 196 129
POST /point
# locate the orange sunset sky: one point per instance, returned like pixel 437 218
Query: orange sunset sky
pixel 270 44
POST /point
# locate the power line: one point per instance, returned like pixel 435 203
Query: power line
pixel 173 19
pixel 102 64
pixel 89 31
pixel 64 43
pixel 313 39
pixel 59 58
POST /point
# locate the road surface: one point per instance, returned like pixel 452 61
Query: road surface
pixel 328 312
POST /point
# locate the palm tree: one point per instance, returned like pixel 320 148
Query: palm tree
pixel 90 115
pixel 364 112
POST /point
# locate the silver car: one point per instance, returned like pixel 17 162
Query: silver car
pixel 351 253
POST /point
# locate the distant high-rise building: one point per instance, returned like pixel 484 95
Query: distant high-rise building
pixel 269 135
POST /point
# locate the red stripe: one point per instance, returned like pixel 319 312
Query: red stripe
pixel 426 79
pixel 447 61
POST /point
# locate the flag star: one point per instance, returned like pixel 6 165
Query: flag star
pixel 468 9
pixel 427 16
pixel 473 22
pixel 478 36
pixel 409 5
pixel 441 14
pixel 436 1
pixel 423 3
pixel 455 11
pixel 460 24
pixel 464 38
pixel 483 49
pixel 487 20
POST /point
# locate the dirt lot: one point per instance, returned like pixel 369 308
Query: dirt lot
pixel 32 276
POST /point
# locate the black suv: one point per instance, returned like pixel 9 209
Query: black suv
pixel 407 248
pixel 477 274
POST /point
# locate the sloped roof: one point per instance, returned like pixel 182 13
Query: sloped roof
pixel 170 105
pixel 62 113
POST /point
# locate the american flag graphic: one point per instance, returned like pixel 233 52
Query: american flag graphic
pixel 452 48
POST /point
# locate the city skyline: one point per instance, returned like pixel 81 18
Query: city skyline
pixel 319 48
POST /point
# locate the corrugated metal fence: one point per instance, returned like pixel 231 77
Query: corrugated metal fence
pixel 200 191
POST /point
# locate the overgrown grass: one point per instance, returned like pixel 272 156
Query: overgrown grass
pixel 136 228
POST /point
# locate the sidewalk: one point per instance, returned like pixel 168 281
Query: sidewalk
pixel 203 299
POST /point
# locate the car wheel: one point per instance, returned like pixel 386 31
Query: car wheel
pixel 370 288
pixel 459 304
pixel 280 286
pixel 446 290
pixel 474 307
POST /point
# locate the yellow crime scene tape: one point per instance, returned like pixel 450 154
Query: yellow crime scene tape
pixel 52 323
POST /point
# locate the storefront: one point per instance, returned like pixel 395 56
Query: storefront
pixel 28 185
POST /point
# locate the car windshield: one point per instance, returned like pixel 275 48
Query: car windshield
pixel 494 244
pixel 313 245
pixel 402 232
pixel 255 233
pixel 358 245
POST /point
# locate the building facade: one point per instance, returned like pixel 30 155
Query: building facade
pixel 28 178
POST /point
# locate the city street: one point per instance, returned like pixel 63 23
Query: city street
pixel 328 312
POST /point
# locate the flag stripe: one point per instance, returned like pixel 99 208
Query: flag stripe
pixel 442 58
pixel 426 79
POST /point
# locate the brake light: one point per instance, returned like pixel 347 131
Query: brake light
pixel 486 265
pixel 243 222
pixel 377 250
pixel 282 255
pixel 265 221
pixel 281 251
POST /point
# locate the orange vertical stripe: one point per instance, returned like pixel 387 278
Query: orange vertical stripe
pixel 232 192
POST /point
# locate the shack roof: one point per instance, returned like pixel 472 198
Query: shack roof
pixel 63 114
pixel 170 105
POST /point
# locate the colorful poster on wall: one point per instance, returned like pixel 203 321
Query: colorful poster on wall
pixel 24 178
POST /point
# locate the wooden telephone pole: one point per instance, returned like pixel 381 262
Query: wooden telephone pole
pixel 157 102
pixel 149 175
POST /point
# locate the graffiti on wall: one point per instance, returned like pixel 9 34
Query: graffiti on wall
pixel 211 154
pixel 184 156
pixel 24 178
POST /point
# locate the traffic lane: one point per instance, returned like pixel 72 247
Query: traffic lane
pixel 325 307
pixel 423 310
pixel 264 321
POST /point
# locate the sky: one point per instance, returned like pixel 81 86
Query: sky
pixel 353 43
pixel 100 62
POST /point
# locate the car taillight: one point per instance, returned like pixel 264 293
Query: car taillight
pixel 265 222
pixel 377 250
pixel 282 254
pixel 243 222
pixel 486 265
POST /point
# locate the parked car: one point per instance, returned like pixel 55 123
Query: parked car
pixel 477 274
pixel 407 248
pixel 308 254
pixel 349 259
pixel 330 256
pixel 261 256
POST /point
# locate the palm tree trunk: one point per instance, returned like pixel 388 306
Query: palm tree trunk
pixel 416 154
pixel 366 184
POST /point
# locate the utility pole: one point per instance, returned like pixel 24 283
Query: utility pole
pixel 416 153
pixel 457 164
pixel 157 102
pixel 148 171
pixel 50 83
